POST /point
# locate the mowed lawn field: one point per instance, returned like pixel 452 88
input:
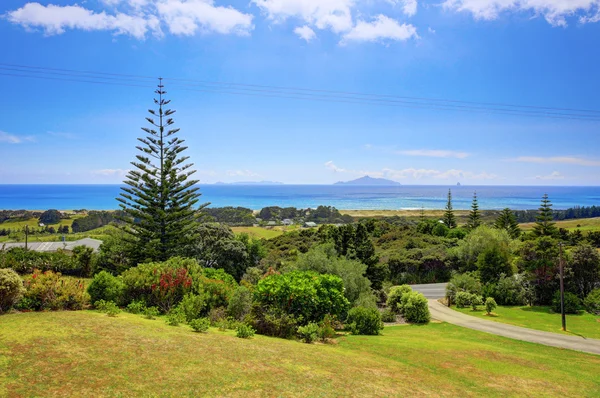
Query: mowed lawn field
pixel 88 354
pixel 583 224
pixel 263 232
pixel 542 318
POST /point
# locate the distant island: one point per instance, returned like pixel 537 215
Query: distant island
pixel 368 181
pixel 249 183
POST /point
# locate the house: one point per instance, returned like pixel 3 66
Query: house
pixel 310 224
pixel 287 221
pixel 271 223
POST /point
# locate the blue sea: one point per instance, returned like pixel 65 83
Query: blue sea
pixel 102 197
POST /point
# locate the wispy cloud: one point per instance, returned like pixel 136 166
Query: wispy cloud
pixel 380 28
pixel 14 139
pixel 110 172
pixel 330 165
pixel 305 32
pixel 553 176
pixel 416 174
pixel 242 173
pixel 434 153
pixel 558 160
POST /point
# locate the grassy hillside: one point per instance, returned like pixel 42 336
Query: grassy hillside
pixel 263 232
pixel 461 215
pixel 583 224
pixel 90 354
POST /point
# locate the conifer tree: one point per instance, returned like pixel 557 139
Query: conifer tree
pixel 544 225
pixel 507 220
pixel 449 218
pixel 474 215
pixel 159 198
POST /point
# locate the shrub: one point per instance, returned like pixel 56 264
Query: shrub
pixel 273 321
pixel 365 321
pixel 11 289
pixel 151 313
pixel 216 315
pixel 592 302
pixel 26 261
pixel 326 328
pixel 100 305
pixel 240 303
pixel 388 315
pixel 136 307
pixel 463 299
pixel 510 290
pixel 191 306
pixel 416 308
pixel 467 282
pixel 107 287
pixel 200 325
pixel 308 333
pixel 175 317
pixel 440 230
pixel 50 291
pixel 476 300
pixel 244 331
pixel 572 303
pixel 490 305
pixel 395 297
pixel 111 309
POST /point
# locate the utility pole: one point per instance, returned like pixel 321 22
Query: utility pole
pixel 26 233
pixel 562 289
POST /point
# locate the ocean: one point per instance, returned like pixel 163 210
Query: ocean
pixel 102 197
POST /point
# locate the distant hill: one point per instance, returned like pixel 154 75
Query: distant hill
pixel 369 181
pixel 250 183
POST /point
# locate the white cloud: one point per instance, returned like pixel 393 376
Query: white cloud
pixel 333 167
pixel 381 27
pixel 553 176
pixel 558 159
pixel 14 139
pixel 110 172
pixel 305 32
pixel 409 7
pixel 242 173
pixel 416 174
pixel 431 30
pixel 434 153
pixel 554 11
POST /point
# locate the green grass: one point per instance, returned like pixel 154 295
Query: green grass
pixel 98 233
pixel 583 224
pixel 542 318
pixel 263 232
pixel 86 353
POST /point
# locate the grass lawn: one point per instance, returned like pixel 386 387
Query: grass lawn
pixel 415 215
pixel 542 318
pixel 86 353
pixel 97 233
pixel 262 232
pixel 585 224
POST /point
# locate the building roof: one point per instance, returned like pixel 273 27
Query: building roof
pixel 54 246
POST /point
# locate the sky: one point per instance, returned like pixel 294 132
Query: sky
pixel 535 53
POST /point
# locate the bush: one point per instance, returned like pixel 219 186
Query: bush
pixel 308 333
pixel 136 307
pixel 463 299
pixel 395 297
pixel 191 306
pixel 107 287
pixel 151 313
pixel 216 315
pixel 365 321
pixel 326 328
pixel 26 261
pixel 415 309
pixel 440 230
pixel 592 302
pixel 111 309
pixel 175 317
pixel 244 331
pixel 572 303
pixel 200 325
pixel 476 301
pixel 490 305
pixel 510 290
pixel 273 321
pixel 240 303
pixel 388 315
pixel 50 291
pixel 11 289
pixel 467 282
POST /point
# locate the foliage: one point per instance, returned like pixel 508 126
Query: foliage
pixel 539 258
pixel 592 302
pixel 109 307
pixel 449 217
pixel 366 321
pixel 114 254
pixel 304 295
pixel 308 333
pixel 490 305
pixel 217 247
pixel 395 296
pixel 476 301
pixel 366 299
pixel 467 282
pixel 584 270
pixel 492 263
pixel 479 241
pixel 158 198
pixel 239 216
pixel 25 261
pixel 175 317
pixel 415 308
pixel 172 286
pixel 151 313
pixel 572 303
pixel 136 307
pixel 51 216
pixel 510 290
pixel 474 215
pixel 107 287
pixel 192 306
pixel 273 321
pixel 240 303
pixel 326 328
pixel 440 230
pixel 508 222
pixel 49 291
pixel 244 331
pixel 95 219
pixel 543 222
pixel 463 299
pixel 388 315
pixel 200 325
pixel 11 289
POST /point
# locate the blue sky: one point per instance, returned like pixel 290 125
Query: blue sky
pixel 525 52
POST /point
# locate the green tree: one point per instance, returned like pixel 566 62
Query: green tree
pixel 449 218
pixel 544 225
pixel 492 264
pixel 507 221
pixel 474 215
pixel 50 217
pixel 159 197
pixel 584 270
pixel 479 241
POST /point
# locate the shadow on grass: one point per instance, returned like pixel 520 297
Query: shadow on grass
pixel 547 310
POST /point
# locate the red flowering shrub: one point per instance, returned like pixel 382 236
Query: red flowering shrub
pixel 173 284
pixel 51 291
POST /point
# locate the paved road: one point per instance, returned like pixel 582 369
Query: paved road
pixel 431 290
pixel 443 313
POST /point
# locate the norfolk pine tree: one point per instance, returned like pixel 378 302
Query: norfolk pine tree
pixel 449 218
pixel 159 198
pixel 474 215
pixel 507 220
pixel 544 225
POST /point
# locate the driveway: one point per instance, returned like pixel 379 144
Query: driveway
pixel 431 290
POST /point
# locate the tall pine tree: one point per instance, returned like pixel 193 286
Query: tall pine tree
pixel 544 225
pixel 159 199
pixel 474 216
pixel 449 218
pixel 508 221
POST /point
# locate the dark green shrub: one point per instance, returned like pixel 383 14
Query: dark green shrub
pixel 365 321
pixel 463 299
pixel 151 313
pixel 136 307
pixel 11 289
pixel 592 302
pixel 440 230
pixel 326 328
pixel 416 308
pixel 111 309
pixel 175 317
pixel 106 287
pixel 200 325
pixel 216 315
pixel 308 333
pixel 572 303
pixel 273 321
pixel 100 305
pixel 511 290
pixel 192 306
pixel 388 315
pixel 476 300
pixel 244 331
pixel 467 282
pixel 490 305
pixel 395 297
pixel 240 303
pixel 26 261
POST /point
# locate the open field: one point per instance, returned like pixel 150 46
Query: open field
pixel 542 318
pixel 583 224
pixel 86 353
pixel 461 215
pixel 97 233
pixel 263 232
pixel 33 223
